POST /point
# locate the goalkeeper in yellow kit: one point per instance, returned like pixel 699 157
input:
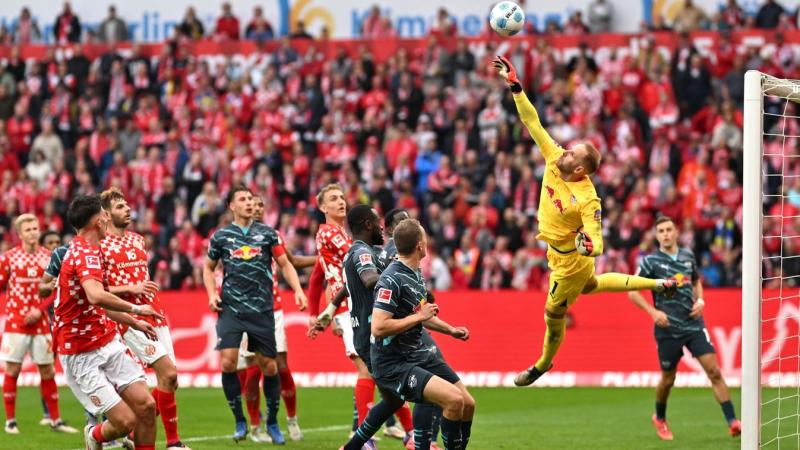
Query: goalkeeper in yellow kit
pixel 570 223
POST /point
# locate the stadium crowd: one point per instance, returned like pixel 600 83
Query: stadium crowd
pixel 433 131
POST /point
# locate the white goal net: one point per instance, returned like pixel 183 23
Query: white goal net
pixel 771 264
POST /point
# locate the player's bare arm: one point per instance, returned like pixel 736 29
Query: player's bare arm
pixel 210 282
pixel 368 277
pixel 659 317
pixel 301 261
pixel 384 324
pixel 290 275
pixel 440 326
pixel 100 297
pixel 46 286
pixel 144 288
pixel 699 304
pixel 132 322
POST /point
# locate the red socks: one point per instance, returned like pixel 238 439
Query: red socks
pixel 252 394
pixel 10 396
pixel 288 392
pixel 365 394
pixel 404 416
pixel 242 374
pixel 145 447
pixel 168 409
pixel 50 395
pixel 97 433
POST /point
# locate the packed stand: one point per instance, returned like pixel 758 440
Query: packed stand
pixel 434 131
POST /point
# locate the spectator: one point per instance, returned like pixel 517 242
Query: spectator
pixel 575 25
pixel 300 31
pixel 372 26
pixel 38 169
pixel 444 26
pixel 48 143
pixel 25 30
pixel 259 28
pixel 689 18
pixel 19 130
pixel 67 28
pixel 112 28
pixel 769 15
pixel 732 15
pixel 191 27
pixel 227 24
pixel 601 16
pixel 438 274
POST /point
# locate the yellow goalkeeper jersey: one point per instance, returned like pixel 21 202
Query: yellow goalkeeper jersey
pixel 564 207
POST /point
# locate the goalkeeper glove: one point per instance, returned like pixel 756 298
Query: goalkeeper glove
pixel 507 71
pixel 583 243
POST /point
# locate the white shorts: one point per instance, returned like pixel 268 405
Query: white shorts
pixel 343 321
pixel 15 345
pixel 241 362
pixel 150 351
pixel 280 332
pixel 97 377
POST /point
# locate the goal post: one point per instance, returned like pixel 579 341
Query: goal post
pixel 759 431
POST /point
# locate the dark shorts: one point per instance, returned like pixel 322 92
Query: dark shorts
pixel 427 342
pixel 260 329
pixel 408 380
pixel 670 349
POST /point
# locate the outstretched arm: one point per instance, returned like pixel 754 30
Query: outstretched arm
pixel 590 236
pixel 527 112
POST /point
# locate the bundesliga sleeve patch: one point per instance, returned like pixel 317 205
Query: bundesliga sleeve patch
pixel 597 215
pixel 384 295
pixel 92 262
pixel 365 259
pixel 338 241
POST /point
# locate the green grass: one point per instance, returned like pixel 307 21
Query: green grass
pixel 550 418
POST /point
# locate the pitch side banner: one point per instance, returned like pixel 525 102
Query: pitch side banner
pixel 610 343
pixel 152 20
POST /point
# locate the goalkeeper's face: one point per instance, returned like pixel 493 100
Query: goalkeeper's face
pixel 570 163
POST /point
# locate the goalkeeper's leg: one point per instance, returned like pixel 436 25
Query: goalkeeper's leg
pixel 620 282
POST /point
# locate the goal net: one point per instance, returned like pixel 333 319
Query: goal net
pixel 771 264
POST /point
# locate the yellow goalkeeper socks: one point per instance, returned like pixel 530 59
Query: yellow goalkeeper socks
pixel 556 328
pixel 620 282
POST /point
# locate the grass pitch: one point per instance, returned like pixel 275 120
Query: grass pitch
pixel 507 418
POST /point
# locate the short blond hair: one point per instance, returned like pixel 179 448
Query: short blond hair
pixel 109 196
pixel 327 188
pixel 23 219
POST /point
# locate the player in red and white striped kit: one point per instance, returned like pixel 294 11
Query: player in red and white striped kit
pixel 98 369
pixel 125 265
pixel 20 269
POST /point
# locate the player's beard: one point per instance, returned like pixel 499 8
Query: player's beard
pixel 377 236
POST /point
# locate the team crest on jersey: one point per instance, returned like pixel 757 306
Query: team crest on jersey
pixel 93 262
pixel 384 295
pixel 572 199
pixel 245 252
pixel 412 381
pixel 338 241
pixel 365 259
pixel 258 238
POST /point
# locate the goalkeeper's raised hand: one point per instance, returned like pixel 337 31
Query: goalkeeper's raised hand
pixel 508 73
pixel 584 244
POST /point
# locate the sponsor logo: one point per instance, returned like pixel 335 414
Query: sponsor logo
pixel 245 252
pixel 550 191
pixel 95 400
pixel 130 254
pixel 32 272
pixel 680 279
pixel 384 295
pixel 339 241
pixel 558 205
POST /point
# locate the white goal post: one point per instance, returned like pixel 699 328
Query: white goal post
pixel 758 431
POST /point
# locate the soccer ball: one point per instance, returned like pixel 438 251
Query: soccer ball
pixel 506 18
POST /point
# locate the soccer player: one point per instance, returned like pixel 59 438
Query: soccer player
pixel 332 244
pixel 679 323
pixel 97 367
pixel 248 371
pixel 401 361
pixel 570 223
pixel 125 265
pixel 245 303
pixel 20 269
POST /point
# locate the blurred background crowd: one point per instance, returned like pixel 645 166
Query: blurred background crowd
pixel 432 130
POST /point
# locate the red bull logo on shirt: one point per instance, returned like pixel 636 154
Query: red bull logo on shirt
pixel 680 279
pixel 245 252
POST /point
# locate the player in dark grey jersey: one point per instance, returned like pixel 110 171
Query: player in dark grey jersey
pixel 679 323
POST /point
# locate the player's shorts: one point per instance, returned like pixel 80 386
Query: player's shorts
pixel 570 272
pixel 97 377
pixel 343 321
pixel 150 351
pixel 408 380
pixel 280 333
pixel 14 346
pixel 670 349
pixel 260 329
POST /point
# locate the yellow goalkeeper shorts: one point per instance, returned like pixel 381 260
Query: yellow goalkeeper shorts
pixel 569 274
